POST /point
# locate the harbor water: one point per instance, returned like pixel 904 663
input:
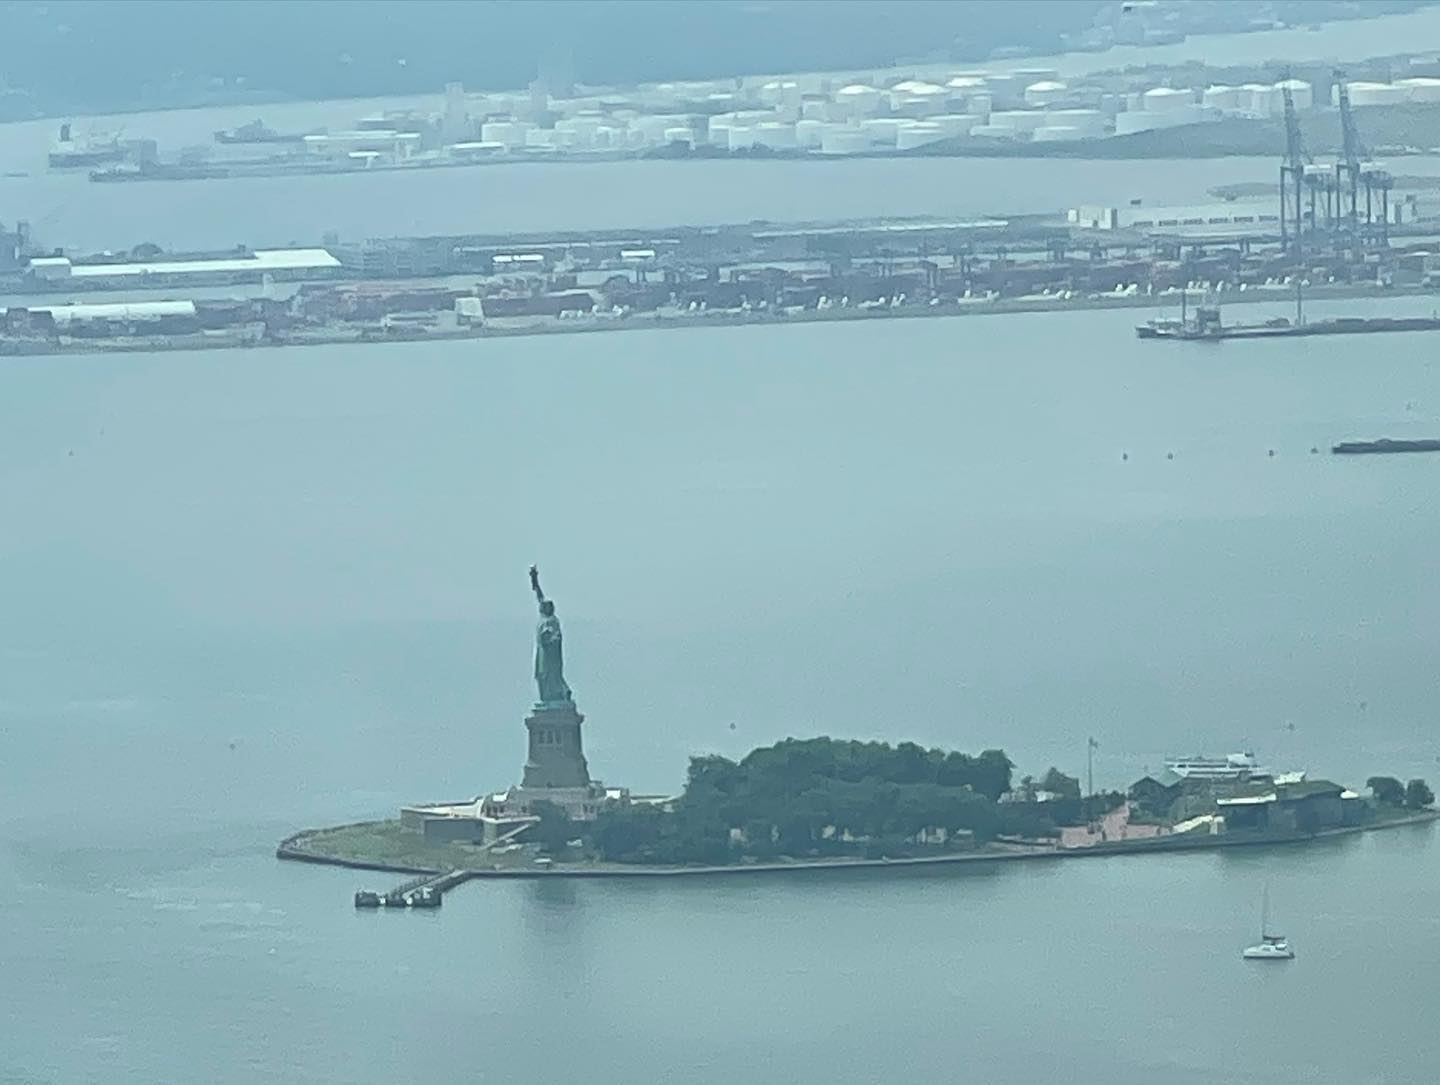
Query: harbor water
pixel 251 591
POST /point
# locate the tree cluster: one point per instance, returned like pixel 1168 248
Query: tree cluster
pixel 1391 792
pixel 818 797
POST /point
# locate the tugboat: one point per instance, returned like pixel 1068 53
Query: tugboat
pixel 366 899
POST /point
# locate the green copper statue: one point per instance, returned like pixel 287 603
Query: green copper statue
pixel 549 656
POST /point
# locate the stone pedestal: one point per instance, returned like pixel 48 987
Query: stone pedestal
pixel 556 758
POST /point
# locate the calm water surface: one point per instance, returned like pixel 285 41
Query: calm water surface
pixel 246 592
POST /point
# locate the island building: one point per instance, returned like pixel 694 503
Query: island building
pixel 555 771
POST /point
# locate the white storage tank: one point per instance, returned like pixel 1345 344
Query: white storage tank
pixel 995 131
pixel 1262 100
pixel 1046 92
pixel 858 99
pixel 1368 94
pixel 717 129
pixel 1421 88
pixel 781 92
pixel 776 135
pixel 956 124
pixel 881 129
pixel 966 84
pixel 841 140
pixel 919 105
pixel 1022 120
pixel 656 124
pixel 680 135
pixel 510 133
pixel 1160 99
pixel 1089 123
pixel 1055 133
pixel 1301 92
pixel 739 137
pixel 815 109
pixel 917 134
pixel 1137 120
pixel 1226 99
pixel 979 104
pixel 808 133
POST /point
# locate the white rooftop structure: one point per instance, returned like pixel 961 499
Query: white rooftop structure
pixel 262 260
pixel 129 312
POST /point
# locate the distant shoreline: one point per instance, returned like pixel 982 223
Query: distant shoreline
pixel 25 348
pixel 292 848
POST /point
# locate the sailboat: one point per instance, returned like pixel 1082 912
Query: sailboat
pixel 1271 947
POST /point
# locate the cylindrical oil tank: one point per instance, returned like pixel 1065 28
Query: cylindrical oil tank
pixel 1089 123
pixel 717 129
pixel 917 134
pixel 775 135
pixel 808 133
pixel 1160 99
pixel 1421 88
pixel 1022 120
pixel 780 92
pixel 1225 98
pixel 1004 87
pixel 858 99
pixel 1262 100
pixel 740 137
pixel 1301 92
pixel 841 140
pixel 1046 92
pixel 956 124
pixel 1137 120
pixel 881 129
pixel 918 105
pixel 1368 94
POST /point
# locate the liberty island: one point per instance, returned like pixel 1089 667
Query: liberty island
pixel 821 803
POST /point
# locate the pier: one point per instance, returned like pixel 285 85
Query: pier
pixel 424 891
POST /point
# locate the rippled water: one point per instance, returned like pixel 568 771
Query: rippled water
pixel 250 591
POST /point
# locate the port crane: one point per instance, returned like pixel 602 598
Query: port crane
pixel 1354 172
pixel 1292 177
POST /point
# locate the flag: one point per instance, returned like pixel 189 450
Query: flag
pixel 1092 744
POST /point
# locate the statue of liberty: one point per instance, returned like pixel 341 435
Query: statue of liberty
pixel 549 655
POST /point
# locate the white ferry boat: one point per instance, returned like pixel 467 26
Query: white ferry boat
pixel 1235 766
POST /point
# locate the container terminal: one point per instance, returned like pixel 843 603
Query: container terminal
pixel 1331 229
pixel 587 280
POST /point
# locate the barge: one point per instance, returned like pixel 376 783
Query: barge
pixel 1383 446
pixel 1282 328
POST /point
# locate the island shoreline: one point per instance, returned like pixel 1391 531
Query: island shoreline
pixel 291 849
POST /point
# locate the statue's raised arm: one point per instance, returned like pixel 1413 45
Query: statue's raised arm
pixel 535 584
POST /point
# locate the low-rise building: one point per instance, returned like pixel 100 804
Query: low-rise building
pixel 1303 806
